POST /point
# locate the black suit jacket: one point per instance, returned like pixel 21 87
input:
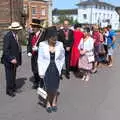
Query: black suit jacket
pixel 42 38
pixel 11 49
pixel 61 37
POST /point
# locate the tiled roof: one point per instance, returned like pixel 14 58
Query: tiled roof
pixel 94 3
pixel 65 11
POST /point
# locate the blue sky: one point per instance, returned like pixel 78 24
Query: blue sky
pixel 67 4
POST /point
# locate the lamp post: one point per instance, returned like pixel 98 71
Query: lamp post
pixel 49 12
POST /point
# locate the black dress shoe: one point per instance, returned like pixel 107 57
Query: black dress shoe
pixel 61 78
pixel 67 76
pixel 35 86
pixel 10 93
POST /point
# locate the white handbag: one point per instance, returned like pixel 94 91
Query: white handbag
pixel 42 92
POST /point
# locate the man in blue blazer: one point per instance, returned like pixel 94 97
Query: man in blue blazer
pixel 11 57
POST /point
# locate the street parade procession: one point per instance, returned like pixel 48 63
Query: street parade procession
pixel 59 60
pixel 56 52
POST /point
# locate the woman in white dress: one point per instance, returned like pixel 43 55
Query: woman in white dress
pixel 86 47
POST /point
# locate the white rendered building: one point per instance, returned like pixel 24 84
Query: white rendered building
pixel 95 12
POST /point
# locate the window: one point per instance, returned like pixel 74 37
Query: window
pixel 84 16
pixel 96 6
pixel 95 15
pixel 43 12
pixel 25 9
pixel 100 7
pixel 33 10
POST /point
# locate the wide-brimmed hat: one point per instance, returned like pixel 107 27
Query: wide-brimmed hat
pixel 36 22
pixel 15 26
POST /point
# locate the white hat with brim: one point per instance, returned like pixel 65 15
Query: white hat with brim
pixel 15 26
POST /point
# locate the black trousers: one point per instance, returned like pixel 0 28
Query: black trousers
pixel 10 72
pixel 67 61
pixel 34 66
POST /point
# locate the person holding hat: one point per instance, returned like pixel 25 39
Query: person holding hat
pixel 32 48
pixel 51 57
pixel 11 57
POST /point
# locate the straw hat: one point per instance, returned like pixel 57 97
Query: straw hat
pixel 15 26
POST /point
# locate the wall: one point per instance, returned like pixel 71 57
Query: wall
pixel 95 16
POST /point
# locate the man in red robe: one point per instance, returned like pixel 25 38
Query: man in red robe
pixel 75 54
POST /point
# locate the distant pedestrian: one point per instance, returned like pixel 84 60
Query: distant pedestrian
pixel 11 57
pixel 111 44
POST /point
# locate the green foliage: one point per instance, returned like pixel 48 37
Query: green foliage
pixel 64 17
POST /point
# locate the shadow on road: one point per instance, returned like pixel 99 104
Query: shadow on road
pixel 31 79
pixel 20 82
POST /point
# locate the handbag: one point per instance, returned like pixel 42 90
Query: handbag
pixel 90 55
pixel 101 49
pixel 41 91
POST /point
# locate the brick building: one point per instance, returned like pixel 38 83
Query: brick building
pixel 35 9
pixel 10 10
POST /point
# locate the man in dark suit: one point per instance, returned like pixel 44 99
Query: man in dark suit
pixel 65 35
pixel 11 57
pixel 35 38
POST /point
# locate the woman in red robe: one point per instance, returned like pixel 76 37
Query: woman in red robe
pixel 75 52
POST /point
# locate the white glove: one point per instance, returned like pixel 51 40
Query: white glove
pixel 29 54
pixel 34 48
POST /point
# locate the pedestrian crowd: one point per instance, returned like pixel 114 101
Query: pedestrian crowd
pixel 56 51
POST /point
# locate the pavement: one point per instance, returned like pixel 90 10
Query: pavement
pixel 97 99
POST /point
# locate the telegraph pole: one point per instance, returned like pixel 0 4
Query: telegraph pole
pixel 49 12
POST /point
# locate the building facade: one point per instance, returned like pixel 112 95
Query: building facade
pixel 10 10
pixel 35 9
pixel 95 12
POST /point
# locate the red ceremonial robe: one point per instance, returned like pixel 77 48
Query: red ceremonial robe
pixel 75 54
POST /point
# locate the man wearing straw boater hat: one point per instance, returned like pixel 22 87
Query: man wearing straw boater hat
pixel 32 48
pixel 11 57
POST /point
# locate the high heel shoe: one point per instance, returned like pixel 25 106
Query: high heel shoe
pixel 49 109
pixel 54 108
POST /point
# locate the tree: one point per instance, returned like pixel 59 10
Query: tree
pixel 69 18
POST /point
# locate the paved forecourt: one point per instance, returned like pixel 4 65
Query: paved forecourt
pixel 97 99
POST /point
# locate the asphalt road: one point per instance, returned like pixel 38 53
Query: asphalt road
pixel 98 99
